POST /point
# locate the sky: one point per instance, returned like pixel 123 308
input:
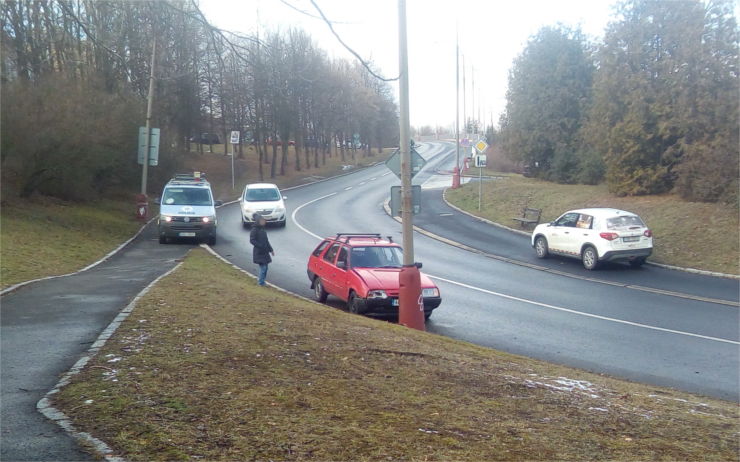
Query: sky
pixel 491 34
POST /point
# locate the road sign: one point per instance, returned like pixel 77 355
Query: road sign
pixel 396 200
pixel 394 163
pixel 480 160
pixel 153 146
pixel 234 137
pixel 481 146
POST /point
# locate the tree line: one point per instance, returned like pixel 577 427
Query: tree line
pixel 653 108
pixel 75 77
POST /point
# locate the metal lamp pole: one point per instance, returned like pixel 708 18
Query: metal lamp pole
pixel 411 303
pixel 456 170
pixel 150 98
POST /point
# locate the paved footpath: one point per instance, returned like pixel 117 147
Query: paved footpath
pixel 47 326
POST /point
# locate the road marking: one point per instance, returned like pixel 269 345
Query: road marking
pixel 303 205
pixel 362 183
pixel 387 173
pixel 373 179
pixel 348 188
pixel 581 313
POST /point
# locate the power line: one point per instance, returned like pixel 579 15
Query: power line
pixel 364 63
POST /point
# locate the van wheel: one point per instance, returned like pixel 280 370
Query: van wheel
pixel 318 291
pixel 540 246
pixel 590 258
pixel 212 241
pixel 162 240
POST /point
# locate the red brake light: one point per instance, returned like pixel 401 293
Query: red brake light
pixel 648 233
pixel 609 236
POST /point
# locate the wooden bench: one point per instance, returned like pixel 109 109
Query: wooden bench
pixel 529 216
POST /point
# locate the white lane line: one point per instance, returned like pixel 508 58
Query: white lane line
pixel 581 313
pixel 386 173
pixel 361 183
pixel 303 205
pixel 348 188
pixel 373 179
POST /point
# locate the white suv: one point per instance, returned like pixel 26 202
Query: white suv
pixel 595 235
pixel 265 199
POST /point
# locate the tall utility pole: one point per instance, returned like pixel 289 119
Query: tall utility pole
pixel 465 99
pixel 473 102
pixel 456 170
pixel 411 304
pixel 149 100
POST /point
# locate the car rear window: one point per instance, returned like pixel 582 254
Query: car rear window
pixel 624 222
pixel 320 248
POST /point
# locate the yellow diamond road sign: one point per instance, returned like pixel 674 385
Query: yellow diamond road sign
pixel 481 146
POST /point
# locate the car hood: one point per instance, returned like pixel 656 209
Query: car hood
pixel 387 278
pixel 187 210
pixel 254 205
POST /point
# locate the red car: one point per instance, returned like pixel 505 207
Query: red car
pixel 363 269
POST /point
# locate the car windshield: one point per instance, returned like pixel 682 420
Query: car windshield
pixel 186 196
pixel 376 257
pixel 624 221
pixel 262 195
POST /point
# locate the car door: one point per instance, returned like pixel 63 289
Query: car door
pixel 562 233
pixel 340 273
pixel 328 269
pixel 582 234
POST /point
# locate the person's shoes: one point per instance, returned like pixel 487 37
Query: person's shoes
pixel 261 284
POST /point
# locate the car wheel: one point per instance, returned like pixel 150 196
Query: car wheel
pixel 318 290
pixel 637 262
pixel 590 258
pixel 540 246
pixel 283 223
pixel 212 241
pixel 162 240
pixel 353 303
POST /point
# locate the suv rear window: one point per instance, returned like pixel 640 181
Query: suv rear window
pixel 186 196
pixel 624 221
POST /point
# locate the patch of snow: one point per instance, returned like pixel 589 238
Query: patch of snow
pixel 600 409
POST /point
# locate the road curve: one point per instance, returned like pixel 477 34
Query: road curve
pixel 608 328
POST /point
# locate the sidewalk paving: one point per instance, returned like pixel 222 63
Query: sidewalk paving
pixel 44 329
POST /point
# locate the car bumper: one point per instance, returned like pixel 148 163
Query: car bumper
pixel 272 218
pixel 629 254
pixel 385 307
pixel 196 230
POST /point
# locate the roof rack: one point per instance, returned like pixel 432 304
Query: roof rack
pixel 189 178
pixel 345 237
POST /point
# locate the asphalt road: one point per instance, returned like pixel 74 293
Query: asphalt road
pixel 47 326
pixel 603 325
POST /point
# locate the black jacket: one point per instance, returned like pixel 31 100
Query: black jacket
pixel 262 247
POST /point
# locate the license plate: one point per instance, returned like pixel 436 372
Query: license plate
pixel 187 234
pixel 631 239
pixel 394 302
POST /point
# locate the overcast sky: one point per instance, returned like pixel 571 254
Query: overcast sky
pixel 492 33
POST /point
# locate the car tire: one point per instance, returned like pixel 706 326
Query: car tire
pixel 541 248
pixel 637 262
pixel 353 303
pixel 590 258
pixel 318 290
pixel 212 241
pixel 162 240
pixel 283 223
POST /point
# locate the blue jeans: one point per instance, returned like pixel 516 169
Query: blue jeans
pixel 263 273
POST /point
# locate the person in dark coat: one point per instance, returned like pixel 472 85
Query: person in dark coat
pixel 262 248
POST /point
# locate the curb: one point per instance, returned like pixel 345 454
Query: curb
pixel 652 263
pixel 459 245
pixel 45 407
pixel 15 287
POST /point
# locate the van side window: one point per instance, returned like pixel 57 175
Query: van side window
pixel 331 253
pixel 320 248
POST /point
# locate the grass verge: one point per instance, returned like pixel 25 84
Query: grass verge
pixel 45 237
pixel 211 366
pixel 694 234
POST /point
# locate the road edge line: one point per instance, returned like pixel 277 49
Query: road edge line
pixel 107 256
pixel 44 405
pixel 544 269
pixel 660 265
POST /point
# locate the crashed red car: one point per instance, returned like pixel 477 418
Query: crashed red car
pixel 362 269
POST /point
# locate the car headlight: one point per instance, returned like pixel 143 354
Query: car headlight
pixel 279 209
pixel 209 219
pixel 377 294
pixel 166 218
pixel 430 292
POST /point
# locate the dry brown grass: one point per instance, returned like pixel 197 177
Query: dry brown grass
pixel 210 366
pixel 694 234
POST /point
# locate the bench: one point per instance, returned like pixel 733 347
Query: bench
pixel 529 216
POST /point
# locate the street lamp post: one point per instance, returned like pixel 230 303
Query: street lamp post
pixel 456 170
pixel 411 303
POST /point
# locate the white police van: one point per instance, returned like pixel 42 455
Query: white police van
pixel 187 209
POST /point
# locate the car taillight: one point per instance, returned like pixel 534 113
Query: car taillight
pixel 609 236
pixel 648 233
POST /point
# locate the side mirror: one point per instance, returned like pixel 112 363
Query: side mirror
pixel 157 200
pixel 418 264
pixel 285 198
pixel 218 203
pixel 342 264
